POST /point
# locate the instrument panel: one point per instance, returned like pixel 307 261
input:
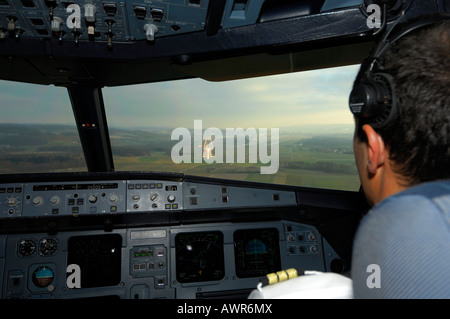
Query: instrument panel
pixel 202 254
pixel 187 262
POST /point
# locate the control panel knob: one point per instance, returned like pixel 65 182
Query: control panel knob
pixel 171 198
pixel 113 198
pixel 153 197
pixel 150 30
pixel 38 201
pixel 12 201
pixel 92 199
pixel 89 12
pixel 54 200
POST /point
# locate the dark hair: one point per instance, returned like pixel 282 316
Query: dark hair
pixel 418 138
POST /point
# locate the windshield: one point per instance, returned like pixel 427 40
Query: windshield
pixel 37 130
pixel 292 129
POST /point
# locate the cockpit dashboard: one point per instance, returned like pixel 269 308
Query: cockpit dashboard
pixel 138 236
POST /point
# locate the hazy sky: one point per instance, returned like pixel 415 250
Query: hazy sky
pixel 302 98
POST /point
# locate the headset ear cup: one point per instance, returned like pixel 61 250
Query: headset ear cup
pixel 374 100
pixel 386 100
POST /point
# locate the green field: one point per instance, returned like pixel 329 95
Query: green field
pixel 324 161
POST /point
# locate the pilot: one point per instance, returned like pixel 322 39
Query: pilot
pixel 401 104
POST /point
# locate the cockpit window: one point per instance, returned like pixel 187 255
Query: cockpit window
pixel 37 130
pixel 292 129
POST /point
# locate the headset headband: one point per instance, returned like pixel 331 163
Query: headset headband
pixel 373 93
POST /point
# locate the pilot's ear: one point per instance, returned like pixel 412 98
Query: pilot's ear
pixel 376 149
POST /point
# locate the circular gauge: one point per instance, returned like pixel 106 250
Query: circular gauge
pixel 48 246
pixel 27 247
pixel 43 276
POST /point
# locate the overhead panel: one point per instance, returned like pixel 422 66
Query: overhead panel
pixel 112 21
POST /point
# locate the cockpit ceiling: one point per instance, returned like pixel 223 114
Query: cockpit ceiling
pixel 110 43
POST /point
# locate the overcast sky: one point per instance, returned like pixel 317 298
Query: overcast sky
pixel 302 98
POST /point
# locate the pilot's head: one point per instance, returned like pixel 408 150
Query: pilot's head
pixel 401 103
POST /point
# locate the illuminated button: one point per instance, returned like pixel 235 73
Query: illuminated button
pixel 168 206
pixel 113 209
pixel 174 206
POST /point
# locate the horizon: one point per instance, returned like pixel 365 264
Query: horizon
pixel 275 101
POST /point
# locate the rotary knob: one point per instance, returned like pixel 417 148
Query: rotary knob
pixel 12 201
pixel 38 201
pixel 55 200
pixel 171 198
pixel 92 199
pixel 153 197
pixel 113 198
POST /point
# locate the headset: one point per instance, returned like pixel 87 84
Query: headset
pixel 373 95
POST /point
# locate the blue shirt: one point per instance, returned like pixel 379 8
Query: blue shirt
pixel 402 246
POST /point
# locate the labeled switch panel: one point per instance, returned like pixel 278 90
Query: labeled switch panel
pixel 100 197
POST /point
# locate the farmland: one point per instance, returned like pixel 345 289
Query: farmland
pixel 305 159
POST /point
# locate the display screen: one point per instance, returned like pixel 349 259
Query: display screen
pixel 199 256
pixel 257 252
pixel 99 258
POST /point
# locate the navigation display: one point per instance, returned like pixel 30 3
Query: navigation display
pixel 199 256
pixel 257 252
pixel 99 258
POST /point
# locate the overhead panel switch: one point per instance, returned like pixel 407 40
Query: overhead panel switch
pixel 157 14
pixel 150 30
pixel 110 8
pixel 140 12
pixel 89 12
